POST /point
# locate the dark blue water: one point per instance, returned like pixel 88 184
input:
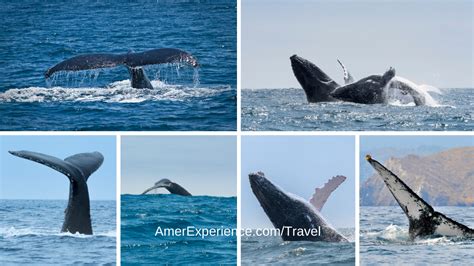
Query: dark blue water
pixel 384 239
pixel 36 35
pixel 288 110
pixel 30 234
pixel 143 214
pixel 272 250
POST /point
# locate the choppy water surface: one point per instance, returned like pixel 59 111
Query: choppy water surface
pixel 273 250
pixel 143 214
pixel 37 35
pixel 30 233
pixel 288 110
pixel 384 239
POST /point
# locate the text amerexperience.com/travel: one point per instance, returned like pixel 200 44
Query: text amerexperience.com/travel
pixel 192 231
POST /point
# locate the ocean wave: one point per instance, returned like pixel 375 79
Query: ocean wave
pixel 400 235
pixel 117 92
pixel 11 232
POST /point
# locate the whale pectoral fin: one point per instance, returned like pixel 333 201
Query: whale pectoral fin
pixel 87 163
pixel 347 76
pixel 321 195
pixel 50 161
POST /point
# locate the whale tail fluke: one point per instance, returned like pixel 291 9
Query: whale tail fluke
pixel 321 194
pixel 132 60
pixel 77 167
pixel 88 163
pixel 172 187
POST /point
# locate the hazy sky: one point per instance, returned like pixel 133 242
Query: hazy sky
pixel 24 179
pixel 428 42
pixel 299 164
pixel 204 165
pixel 368 143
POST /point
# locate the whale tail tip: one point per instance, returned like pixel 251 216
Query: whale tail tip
pixel 368 157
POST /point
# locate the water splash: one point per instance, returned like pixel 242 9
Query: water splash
pixel 196 80
pixel 172 73
pixel 398 97
pixel 117 92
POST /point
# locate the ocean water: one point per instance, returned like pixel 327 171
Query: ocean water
pixel 288 110
pixel 36 35
pixel 273 250
pixel 30 233
pixel 384 239
pixel 143 214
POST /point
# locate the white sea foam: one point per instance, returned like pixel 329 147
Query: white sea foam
pixel 397 234
pixel 117 92
pixel 9 232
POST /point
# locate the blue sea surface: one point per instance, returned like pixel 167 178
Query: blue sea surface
pixel 143 214
pixel 273 250
pixel 384 239
pixel 30 234
pixel 35 35
pixel 288 110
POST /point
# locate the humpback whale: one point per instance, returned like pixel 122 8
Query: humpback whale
pixel 77 168
pixel 285 210
pixel 423 219
pixel 405 86
pixel 172 187
pixel 133 61
pixel 369 90
pixel 319 87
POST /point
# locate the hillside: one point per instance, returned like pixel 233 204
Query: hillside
pixel 444 179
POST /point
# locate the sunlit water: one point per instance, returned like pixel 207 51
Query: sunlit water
pixel 384 239
pixel 37 35
pixel 30 233
pixel 143 214
pixel 288 109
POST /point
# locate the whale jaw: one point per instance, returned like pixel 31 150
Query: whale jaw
pixel 316 84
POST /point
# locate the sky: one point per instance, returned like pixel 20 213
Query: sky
pixel 427 42
pixel 413 142
pixel 299 164
pixel 24 179
pixel 203 165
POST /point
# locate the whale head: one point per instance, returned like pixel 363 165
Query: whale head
pixel 273 200
pixel 284 209
pixel 316 84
